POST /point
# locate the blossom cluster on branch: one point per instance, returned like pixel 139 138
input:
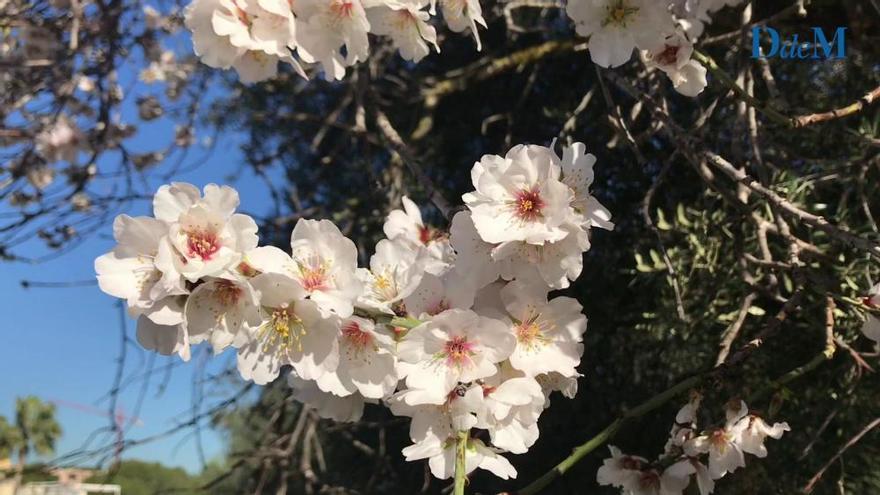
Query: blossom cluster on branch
pixel 254 36
pixel 684 456
pixel 454 330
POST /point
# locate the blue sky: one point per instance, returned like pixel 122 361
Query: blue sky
pixel 62 343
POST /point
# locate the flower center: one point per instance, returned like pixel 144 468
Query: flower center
pixel 719 439
pixel 283 327
pixel 530 332
pixel 458 352
pixel 619 13
pixel 247 270
pixel 342 9
pixel 528 204
pixel 426 235
pixel 355 336
pixel 649 480
pixel 668 56
pixel 630 463
pixel 384 286
pixel 202 244
pixel 313 273
pixel 227 293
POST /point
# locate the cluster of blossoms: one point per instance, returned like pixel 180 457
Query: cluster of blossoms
pixel 253 36
pixel 663 31
pixel 454 330
pixel 685 451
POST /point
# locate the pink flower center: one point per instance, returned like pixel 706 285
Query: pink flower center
pixel 438 308
pixel 342 9
pixel 649 479
pixel 719 439
pixel 669 55
pixel 426 235
pixel 528 204
pixel 530 332
pixel 458 351
pixel 356 336
pixel 202 244
pixel 314 279
pixel 627 462
pixel 227 293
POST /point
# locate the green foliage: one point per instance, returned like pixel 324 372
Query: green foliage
pixel 149 478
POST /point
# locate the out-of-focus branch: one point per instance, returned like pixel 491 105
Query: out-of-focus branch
pixel 398 146
pixel 839 113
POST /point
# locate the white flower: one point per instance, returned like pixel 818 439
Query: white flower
pixel 206 234
pixel 555 263
pixel 722 444
pixel 441 457
pixel 325 27
pixel 622 471
pixel 213 48
pixel 164 339
pixel 871 327
pixel 756 431
pixel 407 225
pixel 455 346
pixel 395 272
pixel 406 23
pixel 251 36
pixel 519 197
pixel 435 295
pixel 554 382
pixel 577 173
pixel 346 409
pixel 60 141
pixel 128 272
pixel 366 361
pixel 323 261
pixel 293 331
pixel 616 27
pixel 512 408
pixel 441 421
pixel 473 255
pixel 548 334
pixel 673 56
pixel 463 14
pixel 219 311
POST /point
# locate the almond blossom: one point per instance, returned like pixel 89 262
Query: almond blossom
pixel 456 346
pixel 292 331
pixel 366 361
pixel 519 197
pixel 322 260
pixel 251 36
pixel 343 409
pixel 220 311
pixel 441 457
pixel 395 272
pixel 461 15
pixel 435 295
pixel 406 23
pixel 332 33
pixel 723 444
pixel 406 225
pixel 205 235
pixel 548 334
pixel 617 27
pixel 673 57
